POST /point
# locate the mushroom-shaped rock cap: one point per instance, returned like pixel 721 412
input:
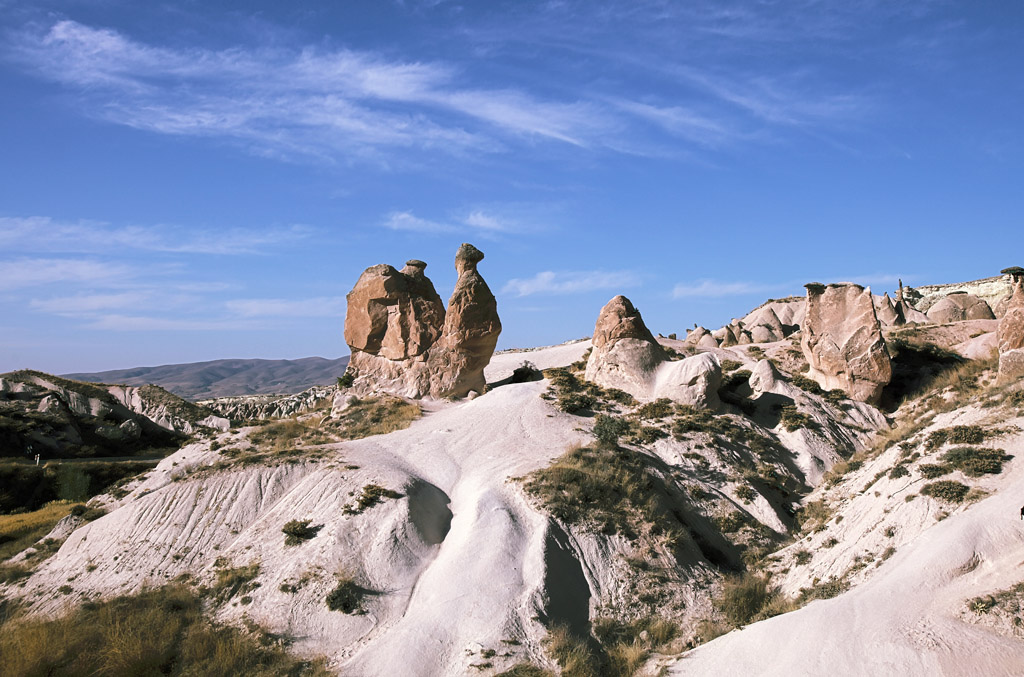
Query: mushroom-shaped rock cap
pixel 467 257
pixel 1016 272
pixel 619 320
pixel 414 267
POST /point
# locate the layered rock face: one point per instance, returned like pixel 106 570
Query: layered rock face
pixel 404 342
pixel 842 341
pixel 960 306
pixel 626 356
pixel 1011 334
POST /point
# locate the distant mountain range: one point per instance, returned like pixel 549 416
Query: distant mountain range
pixel 225 378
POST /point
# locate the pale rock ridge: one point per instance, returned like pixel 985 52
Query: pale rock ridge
pixel 404 342
pixel 992 290
pixel 626 356
pixel 1011 332
pixel 960 306
pixel 842 341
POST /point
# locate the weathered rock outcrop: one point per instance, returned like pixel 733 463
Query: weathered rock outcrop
pixel 842 341
pixel 404 342
pixel 626 356
pixel 960 306
pixel 889 314
pixel 1011 331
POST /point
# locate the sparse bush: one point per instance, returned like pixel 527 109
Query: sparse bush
pixel 232 581
pixel 347 379
pixel 804 383
pixel 813 514
pixel 628 644
pixel 930 471
pixel 608 429
pixel 898 471
pixel 658 409
pixel 298 531
pixel 947 491
pixel 346 596
pixel 730 365
pixel 802 556
pixel 742 598
pixel 525 372
pixel 745 493
pixel 573 403
pixel 976 461
pixel 793 419
pixel 608 491
pixel 572 653
pixel 371 495
pixel 958 434
pixel 730 523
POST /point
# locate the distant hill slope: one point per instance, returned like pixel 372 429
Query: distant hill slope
pixel 225 378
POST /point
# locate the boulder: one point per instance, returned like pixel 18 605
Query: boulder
pixel 404 342
pixel 1011 334
pixel 842 341
pixel 626 356
pixel 957 307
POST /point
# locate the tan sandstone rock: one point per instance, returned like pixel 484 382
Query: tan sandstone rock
pixel 1011 333
pixel 404 342
pixel 958 307
pixel 842 341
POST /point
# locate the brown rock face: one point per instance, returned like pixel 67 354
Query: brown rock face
pixel 1011 335
pixel 960 307
pixel 404 342
pixel 842 341
pixel 618 320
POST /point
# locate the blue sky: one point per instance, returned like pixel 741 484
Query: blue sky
pixel 183 181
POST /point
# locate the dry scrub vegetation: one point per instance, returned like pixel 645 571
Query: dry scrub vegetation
pixel 161 631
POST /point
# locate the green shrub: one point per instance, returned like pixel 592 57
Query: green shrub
pixel 802 556
pixel 525 372
pixel 804 383
pixel 947 491
pixel 573 403
pixel 658 409
pixel 346 597
pixel 298 531
pixel 347 379
pixel 745 493
pixel 232 581
pixel 898 471
pixel 976 461
pixel 793 419
pixel 930 471
pixel 371 495
pixel 730 523
pixel 958 434
pixel 730 365
pixel 608 429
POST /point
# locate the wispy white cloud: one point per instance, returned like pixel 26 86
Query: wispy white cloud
pixel 44 234
pixel 307 101
pixel 571 282
pixel 89 304
pixel 410 222
pixel 324 306
pixel 117 322
pixel 31 272
pixel 717 289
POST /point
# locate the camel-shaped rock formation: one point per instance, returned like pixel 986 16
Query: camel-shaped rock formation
pixel 404 342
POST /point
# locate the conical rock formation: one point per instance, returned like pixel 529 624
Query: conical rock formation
pixel 626 356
